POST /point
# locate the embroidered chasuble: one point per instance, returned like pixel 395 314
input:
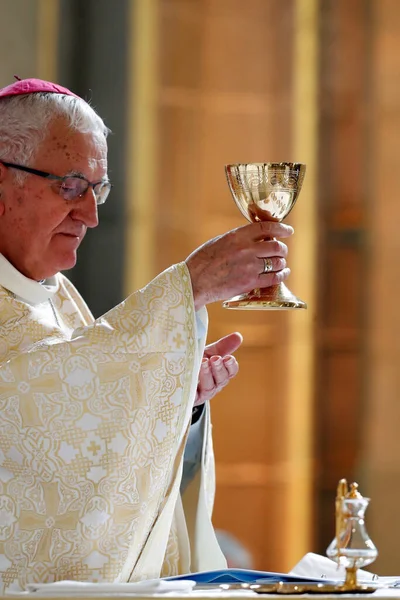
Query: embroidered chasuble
pixel 94 417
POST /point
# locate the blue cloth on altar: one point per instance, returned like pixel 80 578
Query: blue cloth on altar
pixel 244 576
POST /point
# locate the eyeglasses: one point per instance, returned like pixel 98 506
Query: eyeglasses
pixel 70 187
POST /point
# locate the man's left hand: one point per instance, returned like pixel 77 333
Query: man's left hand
pixel 218 367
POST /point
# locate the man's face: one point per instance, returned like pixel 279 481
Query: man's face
pixel 40 232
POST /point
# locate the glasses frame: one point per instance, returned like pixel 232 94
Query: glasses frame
pixel 58 178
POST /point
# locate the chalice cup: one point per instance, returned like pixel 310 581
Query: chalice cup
pixel 265 192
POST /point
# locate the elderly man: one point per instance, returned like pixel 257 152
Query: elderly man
pixel 95 414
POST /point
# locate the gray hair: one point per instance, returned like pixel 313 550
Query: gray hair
pixel 25 119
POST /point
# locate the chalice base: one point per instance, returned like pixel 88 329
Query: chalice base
pixel 276 297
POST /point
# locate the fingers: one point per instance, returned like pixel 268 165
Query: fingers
pixel 215 374
pixel 276 252
pixel 271 248
pixel 273 278
pixel 266 229
pixel 277 264
pixel 230 264
pixel 231 365
pixel 226 345
pixel 223 369
pixel 219 371
pixel 206 379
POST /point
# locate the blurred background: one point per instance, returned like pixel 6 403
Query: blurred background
pixel 187 86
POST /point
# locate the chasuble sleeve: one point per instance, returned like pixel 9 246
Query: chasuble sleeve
pixel 192 544
pixel 92 432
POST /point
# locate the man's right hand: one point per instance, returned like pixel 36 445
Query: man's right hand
pixel 233 263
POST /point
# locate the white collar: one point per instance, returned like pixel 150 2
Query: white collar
pixel 26 289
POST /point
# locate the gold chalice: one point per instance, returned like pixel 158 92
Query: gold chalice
pixel 265 192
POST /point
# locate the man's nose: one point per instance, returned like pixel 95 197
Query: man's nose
pixel 85 209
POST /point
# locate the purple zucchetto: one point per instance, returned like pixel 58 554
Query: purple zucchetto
pixel 33 86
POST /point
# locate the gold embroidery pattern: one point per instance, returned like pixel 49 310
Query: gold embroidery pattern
pixel 92 417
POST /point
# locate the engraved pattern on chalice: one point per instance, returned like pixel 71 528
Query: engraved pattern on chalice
pixel 265 192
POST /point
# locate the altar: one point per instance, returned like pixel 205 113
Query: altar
pixel 202 594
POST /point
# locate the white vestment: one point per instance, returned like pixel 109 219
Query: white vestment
pixel 94 417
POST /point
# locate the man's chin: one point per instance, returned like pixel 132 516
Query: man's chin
pixel 45 265
pixel 64 262
pixel 68 262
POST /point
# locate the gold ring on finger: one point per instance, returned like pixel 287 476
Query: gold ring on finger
pixel 268 266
